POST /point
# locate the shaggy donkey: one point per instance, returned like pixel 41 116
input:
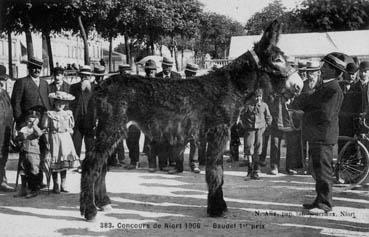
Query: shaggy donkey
pixel 174 112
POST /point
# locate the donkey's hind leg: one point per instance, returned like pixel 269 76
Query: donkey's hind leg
pixel 217 139
pixel 101 198
pixel 90 173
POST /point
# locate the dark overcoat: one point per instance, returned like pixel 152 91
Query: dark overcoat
pixel 80 103
pixel 321 113
pixel 26 95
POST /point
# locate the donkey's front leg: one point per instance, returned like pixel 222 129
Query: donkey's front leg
pixel 101 198
pixel 217 139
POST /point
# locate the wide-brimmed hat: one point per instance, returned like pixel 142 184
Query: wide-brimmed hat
pixel 124 67
pixel 58 70
pixel 3 76
pixel 85 70
pixel 99 70
pixel 351 68
pixel 336 60
pixel 61 95
pixel 167 61
pixel 150 64
pixel 364 65
pixel 191 67
pixel 34 62
pixel 312 66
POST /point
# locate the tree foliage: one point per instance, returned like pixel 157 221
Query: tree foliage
pixel 215 34
pixel 334 15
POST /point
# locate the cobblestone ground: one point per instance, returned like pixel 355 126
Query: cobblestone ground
pixel 159 204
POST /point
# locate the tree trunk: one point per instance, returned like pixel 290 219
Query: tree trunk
pixel 84 38
pixel 49 51
pixel 110 54
pixel 161 50
pixel 10 53
pixel 29 42
pixel 152 47
pixel 128 49
pixel 182 58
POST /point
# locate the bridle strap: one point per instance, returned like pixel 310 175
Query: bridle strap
pixel 255 57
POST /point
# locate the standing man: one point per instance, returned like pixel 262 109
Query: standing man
pixel 6 122
pixel 190 71
pixel 59 84
pixel 31 93
pixel 321 110
pixel 82 92
pixel 167 72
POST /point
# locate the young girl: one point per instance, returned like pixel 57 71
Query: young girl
pixel 59 124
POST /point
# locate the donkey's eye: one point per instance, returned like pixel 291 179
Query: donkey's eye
pixel 278 60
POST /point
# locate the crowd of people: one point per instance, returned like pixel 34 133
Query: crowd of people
pixel 51 124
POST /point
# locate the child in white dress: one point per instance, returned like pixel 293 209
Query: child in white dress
pixel 59 124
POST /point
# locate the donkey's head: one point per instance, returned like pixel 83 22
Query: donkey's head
pixel 272 63
pixel 265 66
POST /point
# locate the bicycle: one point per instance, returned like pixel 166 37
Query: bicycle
pixel 352 165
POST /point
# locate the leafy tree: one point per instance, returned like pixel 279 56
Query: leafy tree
pixel 334 15
pixel 215 34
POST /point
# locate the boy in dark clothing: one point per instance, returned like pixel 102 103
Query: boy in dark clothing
pixel 255 117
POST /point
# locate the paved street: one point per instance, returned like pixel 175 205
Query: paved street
pixel 159 204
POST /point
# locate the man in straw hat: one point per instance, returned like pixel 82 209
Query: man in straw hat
pixel 320 122
pixel 124 69
pixel 99 73
pixel 30 93
pixel 167 72
pixel 82 92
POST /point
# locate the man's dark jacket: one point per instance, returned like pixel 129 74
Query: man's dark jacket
pixel 321 113
pixel 79 105
pixel 26 95
pixel 173 75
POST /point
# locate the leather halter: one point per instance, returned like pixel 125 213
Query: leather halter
pixel 255 57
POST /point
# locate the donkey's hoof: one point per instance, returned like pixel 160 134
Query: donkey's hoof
pixel 107 208
pixel 91 219
pixel 217 212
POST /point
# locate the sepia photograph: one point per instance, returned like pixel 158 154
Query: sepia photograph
pixel 184 118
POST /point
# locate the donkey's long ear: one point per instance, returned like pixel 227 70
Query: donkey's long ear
pixel 271 35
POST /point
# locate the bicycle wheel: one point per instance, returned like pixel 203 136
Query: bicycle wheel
pixel 353 163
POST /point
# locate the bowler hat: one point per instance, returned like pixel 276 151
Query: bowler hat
pixel 336 60
pixel 150 64
pixel 85 70
pixel 124 67
pixel 99 70
pixel 301 65
pixel 34 62
pixel 312 66
pixel 167 61
pixel 191 67
pixel 61 95
pixel 364 65
pixel 58 70
pixel 351 68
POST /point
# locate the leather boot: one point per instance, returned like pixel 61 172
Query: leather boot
pixel 63 176
pixel 55 182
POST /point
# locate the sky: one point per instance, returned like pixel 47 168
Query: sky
pixel 241 10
